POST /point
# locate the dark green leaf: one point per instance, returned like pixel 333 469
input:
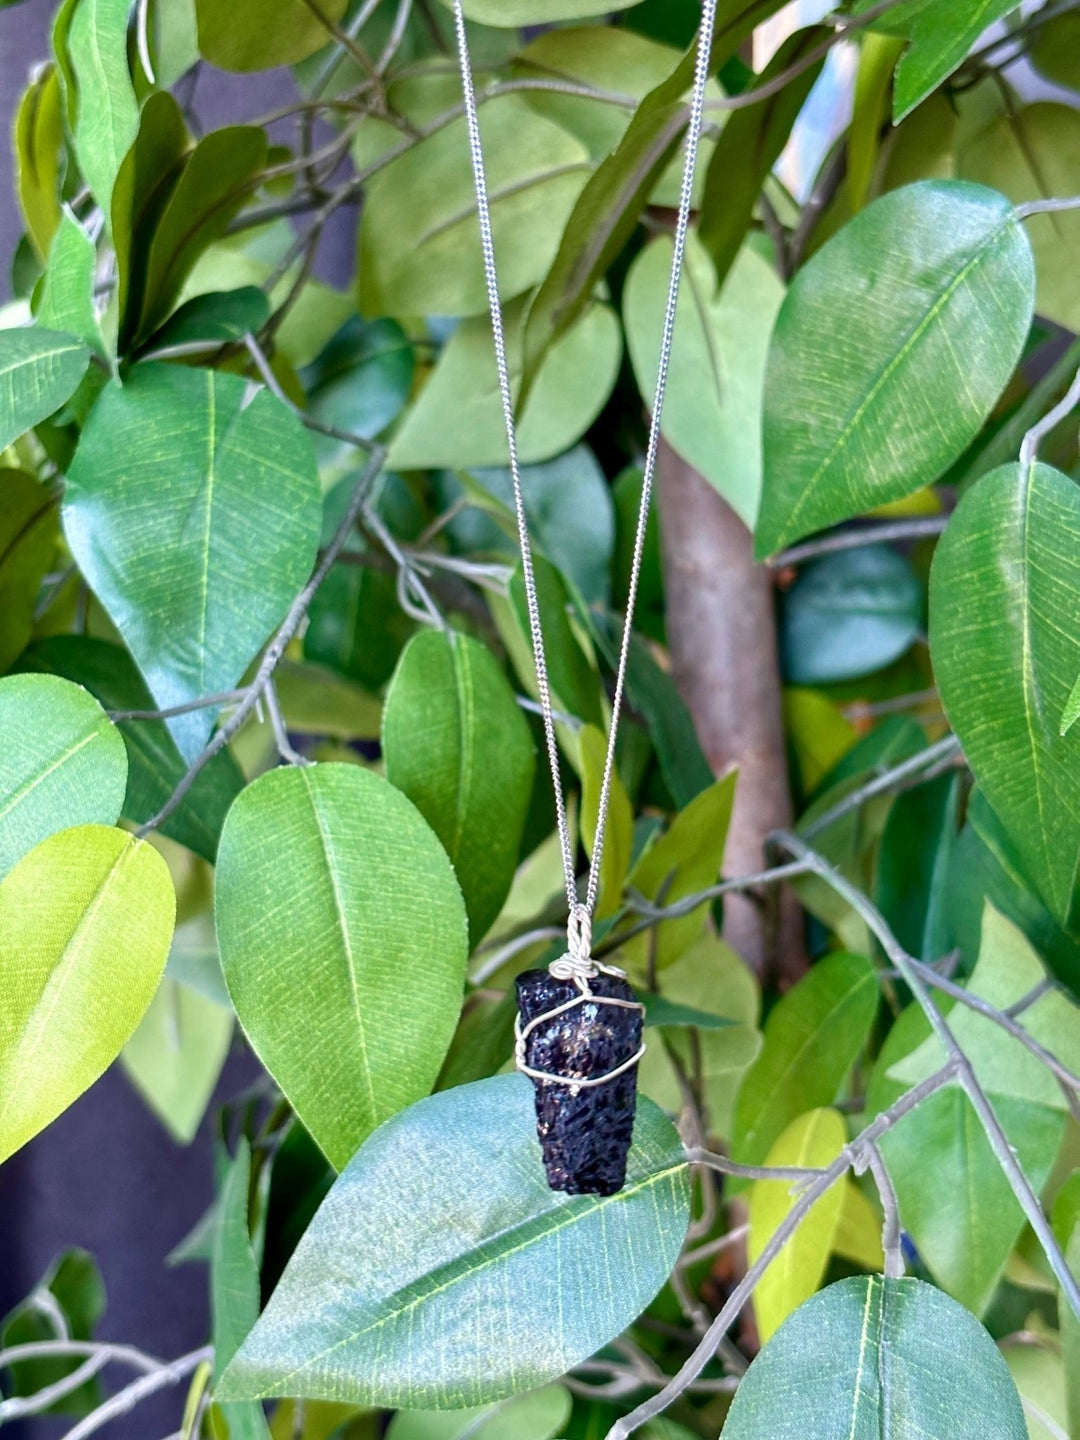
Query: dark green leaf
pixel 916 851
pixel 343 941
pixel 196 582
pixel 106 111
pixel 28 535
pixel 234 1288
pixel 886 360
pixel 1001 590
pixel 942 32
pixel 456 743
pixel 497 1285
pixel 216 318
pixel 574 682
pixel 848 615
pixel 75 1285
pixel 876 1359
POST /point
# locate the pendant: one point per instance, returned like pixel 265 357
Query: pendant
pixel 579 1041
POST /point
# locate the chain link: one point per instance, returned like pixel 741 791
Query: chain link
pixel 580 912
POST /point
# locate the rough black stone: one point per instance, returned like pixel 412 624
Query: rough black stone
pixel 585 1137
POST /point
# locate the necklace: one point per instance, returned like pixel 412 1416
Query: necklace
pixel 579 1027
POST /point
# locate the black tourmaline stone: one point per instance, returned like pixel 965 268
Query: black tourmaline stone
pixel 584 1137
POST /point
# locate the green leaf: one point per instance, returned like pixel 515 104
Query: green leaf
pixel 106 111
pixel 814 1141
pixel 619 833
pixel 85 924
pixel 489 1252
pixel 62 763
pixel 155 766
pixel 682 861
pixel 212 187
pixel 359 384
pixel 717 372
pixel 1041 1380
pixel 955 1202
pixel 878 55
pixel 234 1288
pixel 1029 155
pixel 813 1037
pixel 885 362
pixel 39 371
pixel 511 13
pixel 457 420
pixel 74 1283
pixel 419 244
pixel 913 862
pixel 28 536
pixel 342 935
pixel 1005 659
pixel 661 1012
pixel 1071 713
pixel 214 319
pixel 195 583
pixel 876 1359
pixel 848 615
pixel 538 1415
pixel 575 686
pixel 942 32
pixel 39 144
pixel 1053 50
pixel 749 146
pixel 1007 970
pixel 456 743
pixel 67 297
pixel 256 35
pixel 175 1056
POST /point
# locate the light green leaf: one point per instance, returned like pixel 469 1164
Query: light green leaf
pixel 39 371
pixel 175 1056
pixel 858 1231
pixel 717 375
pixel 876 1359
pixel 154 764
pixel 260 34
pixel 85 924
pixel 419 242
pixel 878 55
pixel 39 144
pixel 67 297
pixel 234 1288
pixel 886 360
pixel 536 1416
pixel 1071 713
pixel 682 861
pixel 196 582
pixel 619 832
pixel 497 1284
pixel 813 1037
pixel 1040 1378
pixel 456 743
pixel 342 936
pixel 1029 155
pixel 106 111
pixel 511 13
pixel 62 763
pixel 813 1141
pixel 315 701
pixel 1007 970
pixel 457 421
pixel 29 524
pixel 1005 653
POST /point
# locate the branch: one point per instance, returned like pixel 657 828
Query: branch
pixel 126 1399
pixel 854 539
pixel 253 693
pixel 1030 445
pixel 910 970
pixel 706 1349
pixel 926 764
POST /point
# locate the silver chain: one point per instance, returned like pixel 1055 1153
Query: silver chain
pixel 580 919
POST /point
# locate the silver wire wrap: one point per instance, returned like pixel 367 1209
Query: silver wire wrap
pixel 578 965
pixel 571 967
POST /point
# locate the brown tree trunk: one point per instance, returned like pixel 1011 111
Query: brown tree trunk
pixel 722 637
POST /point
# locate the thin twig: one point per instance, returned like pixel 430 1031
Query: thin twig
pixel 1051 206
pixel 67 1349
pixel 494 962
pixel 882 533
pixel 797 1174
pixel 891 1241
pixel 1066 405
pixel 125 1400
pixel 925 763
pixel 18 1406
pixel 224 697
